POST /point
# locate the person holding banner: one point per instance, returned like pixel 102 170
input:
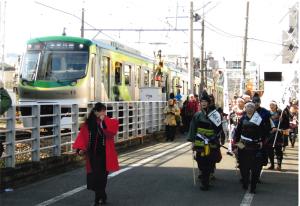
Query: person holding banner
pixel 275 139
pixel 204 133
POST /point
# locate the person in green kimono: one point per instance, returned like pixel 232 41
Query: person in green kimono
pixel 204 133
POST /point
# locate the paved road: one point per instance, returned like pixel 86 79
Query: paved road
pixel 161 174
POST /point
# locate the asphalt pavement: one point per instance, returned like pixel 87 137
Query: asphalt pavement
pixel 162 175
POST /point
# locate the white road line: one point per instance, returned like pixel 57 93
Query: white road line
pixel 248 197
pixel 247 200
pixel 140 163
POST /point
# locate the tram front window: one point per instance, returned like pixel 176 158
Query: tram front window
pixel 54 65
pixel 30 65
pixel 64 65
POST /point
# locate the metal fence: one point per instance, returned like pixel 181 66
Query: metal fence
pixel 34 131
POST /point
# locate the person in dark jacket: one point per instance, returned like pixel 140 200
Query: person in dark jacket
pixel 248 141
pixel 266 124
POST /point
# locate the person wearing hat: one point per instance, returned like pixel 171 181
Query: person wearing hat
pixel 204 133
pixel 248 141
pixel 213 106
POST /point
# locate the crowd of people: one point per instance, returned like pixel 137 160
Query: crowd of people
pixel 255 135
pixel 258 134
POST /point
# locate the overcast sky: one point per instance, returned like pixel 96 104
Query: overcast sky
pixel 225 21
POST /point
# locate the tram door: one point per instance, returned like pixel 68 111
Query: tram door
pixel 137 83
pixel 92 80
pixel 129 82
pixel 106 78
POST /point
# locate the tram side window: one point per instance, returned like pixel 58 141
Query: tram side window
pixel 146 78
pixel 118 72
pixel 105 73
pixel 127 74
pixel 105 69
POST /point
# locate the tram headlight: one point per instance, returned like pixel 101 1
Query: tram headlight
pixel 73 83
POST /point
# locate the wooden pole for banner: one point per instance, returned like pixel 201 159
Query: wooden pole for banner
pixel 194 177
pixel 283 101
pixel 277 130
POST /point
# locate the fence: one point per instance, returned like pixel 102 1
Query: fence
pixel 34 131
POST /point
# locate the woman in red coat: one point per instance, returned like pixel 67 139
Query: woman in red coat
pixel 96 142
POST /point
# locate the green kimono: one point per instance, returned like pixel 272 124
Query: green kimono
pixel 5 101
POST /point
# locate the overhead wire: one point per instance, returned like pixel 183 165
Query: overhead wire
pixel 73 15
pixel 238 36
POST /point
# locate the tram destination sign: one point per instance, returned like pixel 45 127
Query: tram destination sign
pixel 57 45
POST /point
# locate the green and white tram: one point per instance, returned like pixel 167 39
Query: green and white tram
pixel 77 70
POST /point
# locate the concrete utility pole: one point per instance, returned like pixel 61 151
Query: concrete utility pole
pixel 191 57
pixel 2 25
pixel 202 55
pixel 243 81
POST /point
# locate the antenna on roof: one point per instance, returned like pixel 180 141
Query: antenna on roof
pixel 64 32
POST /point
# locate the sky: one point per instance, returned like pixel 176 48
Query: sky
pixel 224 20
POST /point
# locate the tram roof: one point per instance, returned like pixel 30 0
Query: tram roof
pixel 111 45
pixel 60 38
pixel 118 47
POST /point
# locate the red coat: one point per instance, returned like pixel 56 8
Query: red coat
pixel 82 141
pixel 192 107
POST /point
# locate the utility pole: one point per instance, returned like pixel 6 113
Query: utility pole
pixel 191 57
pixel 82 23
pixel 243 81
pixel 2 24
pixel 202 55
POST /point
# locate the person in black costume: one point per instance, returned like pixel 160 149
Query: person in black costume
pixel 248 141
